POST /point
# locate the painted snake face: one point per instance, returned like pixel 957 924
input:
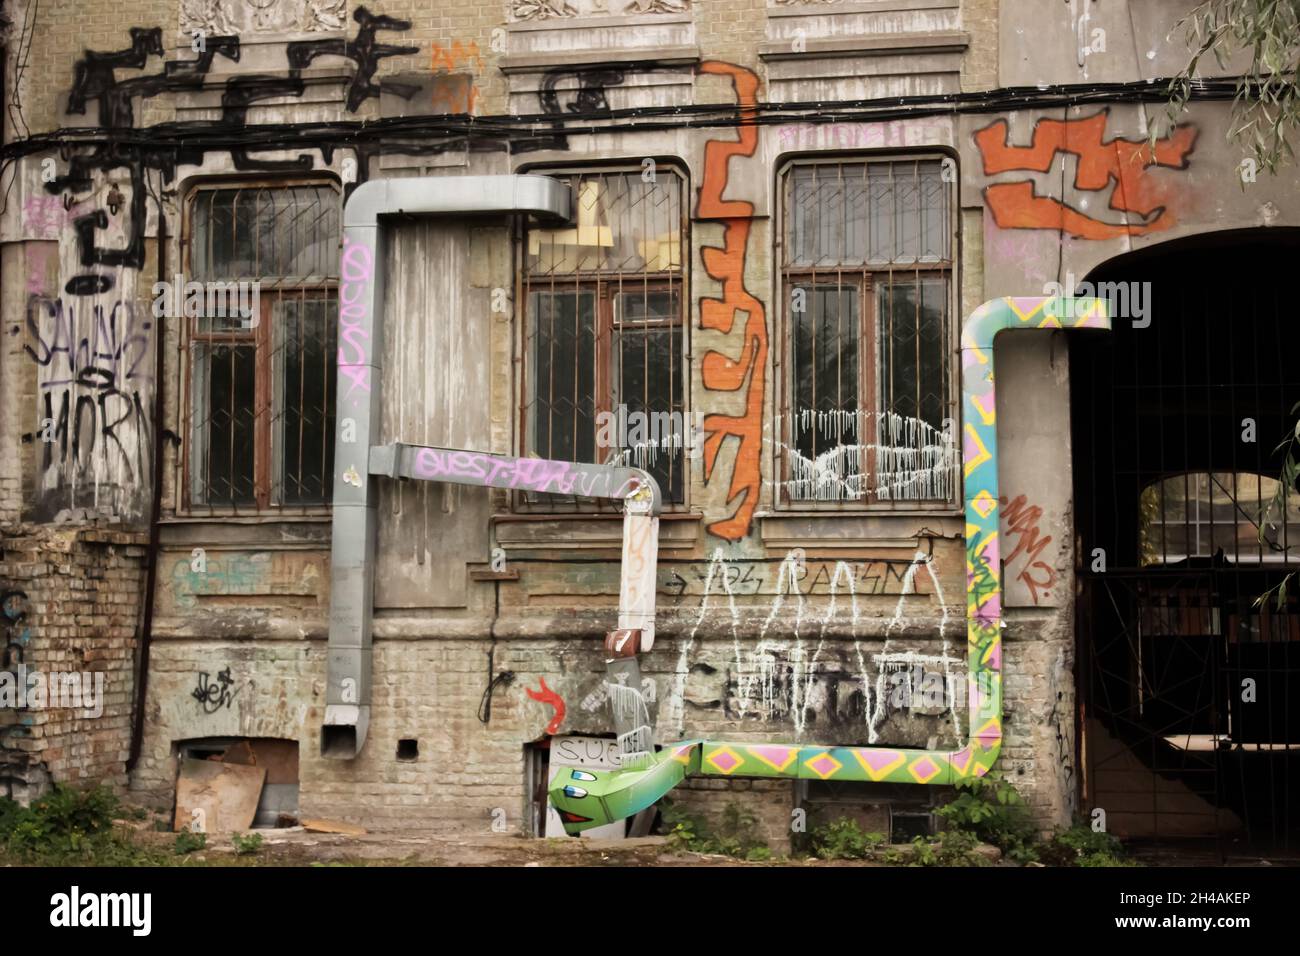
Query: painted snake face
pixel 592 798
pixel 578 809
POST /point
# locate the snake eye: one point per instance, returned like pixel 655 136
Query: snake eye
pixel 576 792
pixel 582 775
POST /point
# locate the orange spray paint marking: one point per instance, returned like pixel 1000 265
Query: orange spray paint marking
pixel 1125 162
pixel 726 264
pixel 457 54
pixel 548 696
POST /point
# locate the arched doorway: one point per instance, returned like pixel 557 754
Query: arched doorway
pixel 1189 717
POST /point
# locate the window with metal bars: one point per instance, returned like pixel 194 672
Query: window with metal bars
pixel 1237 517
pixel 867 402
pixel 260 401
pixel 605 344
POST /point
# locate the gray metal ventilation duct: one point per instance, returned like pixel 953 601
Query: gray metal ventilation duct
pixel 360 377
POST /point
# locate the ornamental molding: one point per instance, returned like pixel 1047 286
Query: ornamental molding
pixel 523 11
pixel 237 17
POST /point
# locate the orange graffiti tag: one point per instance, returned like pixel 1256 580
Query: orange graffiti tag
pixel 1022 527
pixel 453 93
pixel 457 54
pixel 1124 162
pixel 719 371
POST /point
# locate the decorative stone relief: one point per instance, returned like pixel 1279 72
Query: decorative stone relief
pixel 237 17
pixel 541 10
pixel 569 9
pixel 658 6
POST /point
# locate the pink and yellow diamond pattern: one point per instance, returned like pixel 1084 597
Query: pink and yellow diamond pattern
pixel 638 788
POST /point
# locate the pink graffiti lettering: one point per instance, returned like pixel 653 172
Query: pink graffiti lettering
pixel 356 270
pixel 44 216
pixel 531 474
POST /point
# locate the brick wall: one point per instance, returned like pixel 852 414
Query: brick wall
pixel 72 599
pixel 430 689
pixel 82 586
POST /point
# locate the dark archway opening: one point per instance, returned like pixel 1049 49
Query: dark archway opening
pixel 1189 725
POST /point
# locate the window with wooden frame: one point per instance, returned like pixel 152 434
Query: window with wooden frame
pixel 260 402
pixel 604 329
pixel 867 398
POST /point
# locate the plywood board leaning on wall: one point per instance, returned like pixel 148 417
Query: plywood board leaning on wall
pixel 217 797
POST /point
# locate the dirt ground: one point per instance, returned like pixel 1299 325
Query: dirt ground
pixel 296 846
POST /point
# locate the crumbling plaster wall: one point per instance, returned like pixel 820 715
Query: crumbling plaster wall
pixel 261 612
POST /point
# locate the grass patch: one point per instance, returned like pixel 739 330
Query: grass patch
pixel 247 845
pixel 843 839
pixel 735 836
pixel 70 827
pixel 187 841
pixel 83 827
pixel 987 810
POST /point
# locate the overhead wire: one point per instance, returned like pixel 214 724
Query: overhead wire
pixel 517 130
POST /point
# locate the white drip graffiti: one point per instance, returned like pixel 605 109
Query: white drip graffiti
pixel 803 689
pixel 761 669
pixel 758 669
pixel 629 707
pixel 886 661
pixel 909 461
pixel 639 438
pixel 646 454
pixel 677 702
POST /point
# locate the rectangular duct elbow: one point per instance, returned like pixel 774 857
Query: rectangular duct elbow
pixel 344 731
pixel 360 381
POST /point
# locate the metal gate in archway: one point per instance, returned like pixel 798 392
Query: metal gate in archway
pixel 1189 704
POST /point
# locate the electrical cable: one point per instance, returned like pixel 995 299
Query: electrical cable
pixel 504 679
pixel 192 136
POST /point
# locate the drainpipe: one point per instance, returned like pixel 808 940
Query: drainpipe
pixel 155 512
pixel 360 376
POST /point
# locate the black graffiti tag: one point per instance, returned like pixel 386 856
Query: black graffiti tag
pixel 213 695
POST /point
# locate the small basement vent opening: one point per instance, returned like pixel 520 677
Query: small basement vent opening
pixel 408 749
pixel 897 812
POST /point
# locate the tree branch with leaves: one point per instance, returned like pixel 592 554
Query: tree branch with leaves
pixel 1266 104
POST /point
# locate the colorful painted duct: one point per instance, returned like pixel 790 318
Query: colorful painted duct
pixel 589 798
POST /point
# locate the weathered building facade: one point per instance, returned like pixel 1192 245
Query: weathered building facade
pixel 781 215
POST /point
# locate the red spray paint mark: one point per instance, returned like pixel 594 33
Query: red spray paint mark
pixel 548 696
pixel 1022 526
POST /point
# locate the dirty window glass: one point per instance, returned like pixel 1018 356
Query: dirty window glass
pixel 260 313
pixel 604 326
pixel 868 396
